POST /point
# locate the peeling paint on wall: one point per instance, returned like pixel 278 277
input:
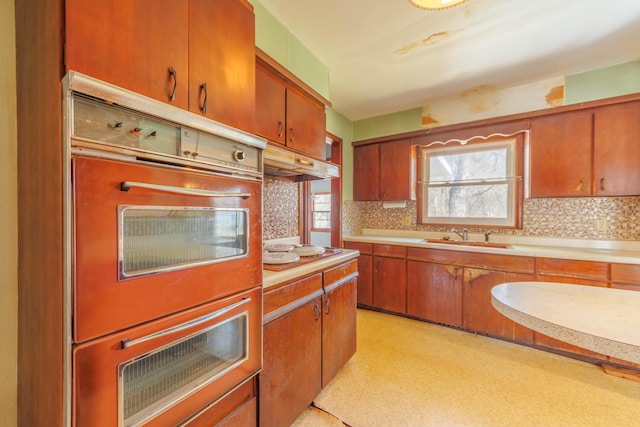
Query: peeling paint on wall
pixel 555 97
pixel 487 101
pixel 427 119
pixel 481 98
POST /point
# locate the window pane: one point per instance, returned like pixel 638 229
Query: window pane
pixel 472 201
pixel 470 165
pixel 321 220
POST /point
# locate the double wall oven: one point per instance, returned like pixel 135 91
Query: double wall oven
pixel 163 258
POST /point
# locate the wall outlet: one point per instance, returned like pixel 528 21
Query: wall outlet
pixel 602 225
pixel 406 221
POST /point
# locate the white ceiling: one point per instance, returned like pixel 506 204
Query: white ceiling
pixel 386 56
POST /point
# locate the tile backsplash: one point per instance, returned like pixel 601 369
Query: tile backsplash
pixel 280 209
pixel 606 218
pixel 595 218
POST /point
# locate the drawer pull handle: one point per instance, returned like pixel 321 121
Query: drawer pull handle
pixel 127 185
pixel 126 343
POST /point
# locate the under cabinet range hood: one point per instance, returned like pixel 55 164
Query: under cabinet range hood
pixel 286 164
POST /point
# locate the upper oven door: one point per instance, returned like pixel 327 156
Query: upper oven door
pixel 150 241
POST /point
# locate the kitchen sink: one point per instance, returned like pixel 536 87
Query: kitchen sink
pixel 468 243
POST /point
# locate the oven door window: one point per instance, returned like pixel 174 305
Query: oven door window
pixel 156 381
pixel 155 239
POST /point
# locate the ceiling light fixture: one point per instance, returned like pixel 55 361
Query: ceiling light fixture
pixel 436 4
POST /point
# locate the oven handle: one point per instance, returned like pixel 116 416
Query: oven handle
pixel 126 185
pixel 126 343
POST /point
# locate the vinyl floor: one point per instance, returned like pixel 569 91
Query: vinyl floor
pixel 409 373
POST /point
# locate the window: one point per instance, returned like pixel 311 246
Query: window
pixel 475 184
pixel 321 211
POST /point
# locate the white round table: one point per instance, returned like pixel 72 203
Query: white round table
pixel 604 320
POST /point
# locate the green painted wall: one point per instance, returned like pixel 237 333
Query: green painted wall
pixel 388 124
pixel 607 82
pixel 274 39
pixel 340 126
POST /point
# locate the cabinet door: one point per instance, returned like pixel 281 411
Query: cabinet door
pixel 270 106
pixel 561 155
pixel 366 172
pixel 306 125
pixel 338 329
pixel 365 272
pixel 390 284
pixel 478 312
pixel 434 292
pixel 617 150
pixel 397 171
pixel 222 61
pixel 291 373
pixel 132 44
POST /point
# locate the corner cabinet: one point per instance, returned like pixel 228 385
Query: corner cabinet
pixel 384 171
pixel 591 152
pixel 365 272
pixel 309 334
pixel 286 114
pixel 166 50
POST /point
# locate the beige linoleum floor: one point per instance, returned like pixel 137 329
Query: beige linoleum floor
pixel 409 373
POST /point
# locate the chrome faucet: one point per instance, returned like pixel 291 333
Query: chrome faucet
pixel 464 234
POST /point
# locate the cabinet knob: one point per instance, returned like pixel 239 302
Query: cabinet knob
pixel 280 128
pixel 327 305
pixel 317 311
pixel 292 135
pixel 602 184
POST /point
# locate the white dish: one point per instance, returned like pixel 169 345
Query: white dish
pixel 279 247
pixel 279 257
pixel 308 250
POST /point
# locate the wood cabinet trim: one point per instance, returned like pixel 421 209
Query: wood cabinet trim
pixel 591 270
pixel 389 251
pixel 265 61
pixel 506 263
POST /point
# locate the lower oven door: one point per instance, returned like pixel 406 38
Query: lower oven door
pixel 150 241
pixel 160 373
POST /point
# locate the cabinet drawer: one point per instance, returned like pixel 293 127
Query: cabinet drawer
pixel 336 273
pixel 627 275
pixel 292 293
pixel 510 263
pixel 391 251
pixel 572 268
pixel 364 248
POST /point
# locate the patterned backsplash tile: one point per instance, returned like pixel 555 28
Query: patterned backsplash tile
pixel 619 217
pixel 586 218
pixel 280 209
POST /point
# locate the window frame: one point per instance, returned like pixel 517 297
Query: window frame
pixel 313 210
pixel 518 142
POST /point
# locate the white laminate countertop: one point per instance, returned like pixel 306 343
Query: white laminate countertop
pixel 625 252
pixel 271 278
pixel 604 320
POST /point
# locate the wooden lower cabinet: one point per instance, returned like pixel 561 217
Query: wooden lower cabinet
pixel 309 334
pixel 434 292
pixel 478 312
pixel 390 278
pixel 365 272
pixel 292 356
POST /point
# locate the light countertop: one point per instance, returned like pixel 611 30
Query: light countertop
pixel 271 278
pixel 604 320
pixel 625 252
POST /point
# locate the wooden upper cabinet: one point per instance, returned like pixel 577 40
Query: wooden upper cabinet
pixel 397 171
pixel 366 172
pixel 384 171
pixel 270 106
pixel 132 44
pixel 306 125
pixel 289 116
pixel 561 155
pixel 222 61
pixel 617 150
